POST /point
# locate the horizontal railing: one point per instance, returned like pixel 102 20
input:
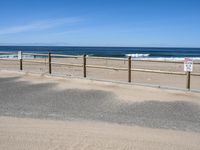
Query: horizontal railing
pixel 84 64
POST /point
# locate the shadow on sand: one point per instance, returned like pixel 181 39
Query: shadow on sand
pixel 22 99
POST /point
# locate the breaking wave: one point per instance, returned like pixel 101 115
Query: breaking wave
pixel 137 55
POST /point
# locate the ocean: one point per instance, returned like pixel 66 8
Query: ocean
pixel 136 52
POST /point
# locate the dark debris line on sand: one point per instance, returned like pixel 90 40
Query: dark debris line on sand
pixel 21 99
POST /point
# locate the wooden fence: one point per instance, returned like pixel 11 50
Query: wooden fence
pixel 84 65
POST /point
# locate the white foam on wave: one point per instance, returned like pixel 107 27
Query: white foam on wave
pixel 15 56
pixel 137 55
pixel 168 58
pixel 28 57
pixel 134 56
pixel 8 56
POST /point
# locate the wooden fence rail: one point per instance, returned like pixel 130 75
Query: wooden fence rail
pixel 129 68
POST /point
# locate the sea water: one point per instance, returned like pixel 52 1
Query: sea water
pixel 135 52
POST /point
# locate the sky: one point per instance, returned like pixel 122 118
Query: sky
pixel 144 23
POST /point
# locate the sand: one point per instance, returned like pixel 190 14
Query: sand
pixel 127 92
pixel 32 134
pixel 22 132
pixel 163 80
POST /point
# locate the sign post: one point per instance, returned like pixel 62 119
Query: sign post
pixel 188 67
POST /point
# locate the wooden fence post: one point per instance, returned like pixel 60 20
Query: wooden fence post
pixel 20 57
pixel 129 69
pixel 21 64
pixel 188 80
pixel 49 63
pixel 84 66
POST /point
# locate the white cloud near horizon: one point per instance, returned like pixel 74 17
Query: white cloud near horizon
pixel 39 25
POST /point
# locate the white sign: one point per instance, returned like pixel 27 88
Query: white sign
pixel 19 54
pixel 188 65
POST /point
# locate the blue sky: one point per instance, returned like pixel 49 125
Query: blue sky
pixel 159 23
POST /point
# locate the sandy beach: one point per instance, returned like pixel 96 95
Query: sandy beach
pixel 99 75
pixel 163 80
pixel 45 112
pixel 32 134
